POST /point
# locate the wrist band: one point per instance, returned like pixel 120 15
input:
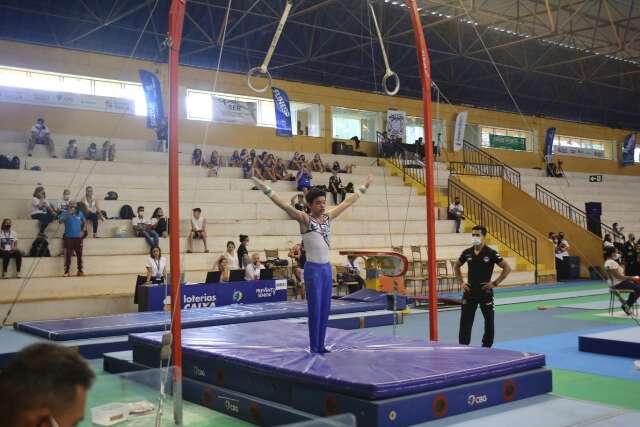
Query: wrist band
pixel 362 190
pixel 267 191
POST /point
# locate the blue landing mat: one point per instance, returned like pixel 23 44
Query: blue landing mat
pixel 359 364
pixel 621 342
pixel 122 324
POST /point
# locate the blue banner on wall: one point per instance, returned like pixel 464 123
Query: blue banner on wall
pixel 548 145
pixel 153 96
pixel 283 112
pixel 628 150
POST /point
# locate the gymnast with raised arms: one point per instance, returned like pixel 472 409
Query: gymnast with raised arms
pixel 315 228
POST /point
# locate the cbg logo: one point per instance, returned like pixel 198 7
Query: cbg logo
pixel 476 400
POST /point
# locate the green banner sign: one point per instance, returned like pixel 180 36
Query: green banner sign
pixel 508 142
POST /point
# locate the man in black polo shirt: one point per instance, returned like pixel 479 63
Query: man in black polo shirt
pixel 478 290
pixel 630 256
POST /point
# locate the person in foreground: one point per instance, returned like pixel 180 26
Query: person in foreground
pixel 315 228
pixel 478 289
pixel 44 386
pixel 619 281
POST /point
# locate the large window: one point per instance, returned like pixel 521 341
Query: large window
pixel 58 82
pixel 582 147
pixel 505 138
pixel 347 123
pixel 415 130
pixel 305 118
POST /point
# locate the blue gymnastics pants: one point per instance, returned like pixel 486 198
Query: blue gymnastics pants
pixel 318 283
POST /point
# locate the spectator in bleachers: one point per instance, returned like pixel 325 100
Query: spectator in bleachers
pixel 74 232
pixel 303 179
pixel 618 280
pixel 260 160
pixel 618 236
pixel 93 211
pixel 294 163
pixel 162 135
pixel 269 168
pixel 231 256
pixel 455 212
pixel 222 265
pixel 92 152
pixel 298 202
pixel 607 242
pixel 198 230
pixel 281 172
pixel 552 238
pixel 243 253
pixel 215 160
pixel 336 168
pixel 299 256
pixel 243 155
pixel 212 169
pixel 633 266
pixel 144 228
pixel 352 274
pixel 302 161
pixel 196 157
pixel 42 210
pixel 235 161
pixel 317 165
pixel 45 385
pixel 356 141
pixel 71 152
pixel 156 266
pixel 9 248
pixel 252 270
pixel 108 152
pixel 41 135
pixel 63 204
pixel 336 188
pixel 629 255
pixel 561 239
pixel 160 222
pixel 561 252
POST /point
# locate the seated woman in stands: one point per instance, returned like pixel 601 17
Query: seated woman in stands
pixel 196 157
pixel 294 163
pixel 42 210
pixel 160 222
pixel 317 165
pixel 156 267
pixel 244 154
pixel 93 212
pixel 231 256
pixel 215 163
pixel 223 267
pixel 108 151
pixel 268 168
pixel 619 281
pixel 607 242
pixel 71 151
pixel 336 168
pixel 281 171
pixel 235 160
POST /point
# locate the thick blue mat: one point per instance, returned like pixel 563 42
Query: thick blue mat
pixel 620 342
pixel 123 324
pixel 361 365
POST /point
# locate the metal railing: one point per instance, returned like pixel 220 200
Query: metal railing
pixel 566 209
pixel 484 162
pixel 478 169
pixel 410 164
pixel 503 229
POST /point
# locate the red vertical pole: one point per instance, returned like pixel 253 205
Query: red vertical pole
pixel 176 20
pixel 425 78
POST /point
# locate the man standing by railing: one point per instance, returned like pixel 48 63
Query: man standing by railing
pixel 478 289
pixel 455 212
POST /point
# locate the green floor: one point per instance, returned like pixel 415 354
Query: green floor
pixel 597 388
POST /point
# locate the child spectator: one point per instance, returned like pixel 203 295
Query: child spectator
pixel 63 204
pixel 268 168
pixel 74 232
pixel 196 157
pixel 198 230
pixel 108 151
pixel 294 163
pixel 303 179
pixel 223 267
pixel 159 221
pixel 93 212
pixel 144 228
pixel 231 256
pixel 317 165
pixel 71 151
pixel 215 163
pixel 42 210
pixel 235 160
pixel 243 155
pixel 336 168
pixel 243 254
pixel 92 152
pixel 40 135
pixel 281 171
pixel 252 270
pixel 336 188
pixel 247 168
pixel 9 248
pixel 156 267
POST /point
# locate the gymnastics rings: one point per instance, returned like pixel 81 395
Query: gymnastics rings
pixel 389 73
pixel 263 70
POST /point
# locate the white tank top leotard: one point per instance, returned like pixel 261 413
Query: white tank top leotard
pixel 317 240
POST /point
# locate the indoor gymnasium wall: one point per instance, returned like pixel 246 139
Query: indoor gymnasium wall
pixel 68 121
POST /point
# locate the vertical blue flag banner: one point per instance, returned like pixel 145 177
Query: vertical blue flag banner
pixel 628 150
pixel 548 145
pixel 283 112
pixel 153 96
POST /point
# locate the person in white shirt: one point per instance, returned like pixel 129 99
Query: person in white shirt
pixel 352 274
pixel 455 212
pixel 42 210
pixel 156 266
pixel 9 248
pixel 562 240
pixel 619 281
pixel 40 135
pixel 63 204
pixel 252 272
pixel 607 242
pixel 198 230
pixel 144 228
pixel 93 211
pixel 231 256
